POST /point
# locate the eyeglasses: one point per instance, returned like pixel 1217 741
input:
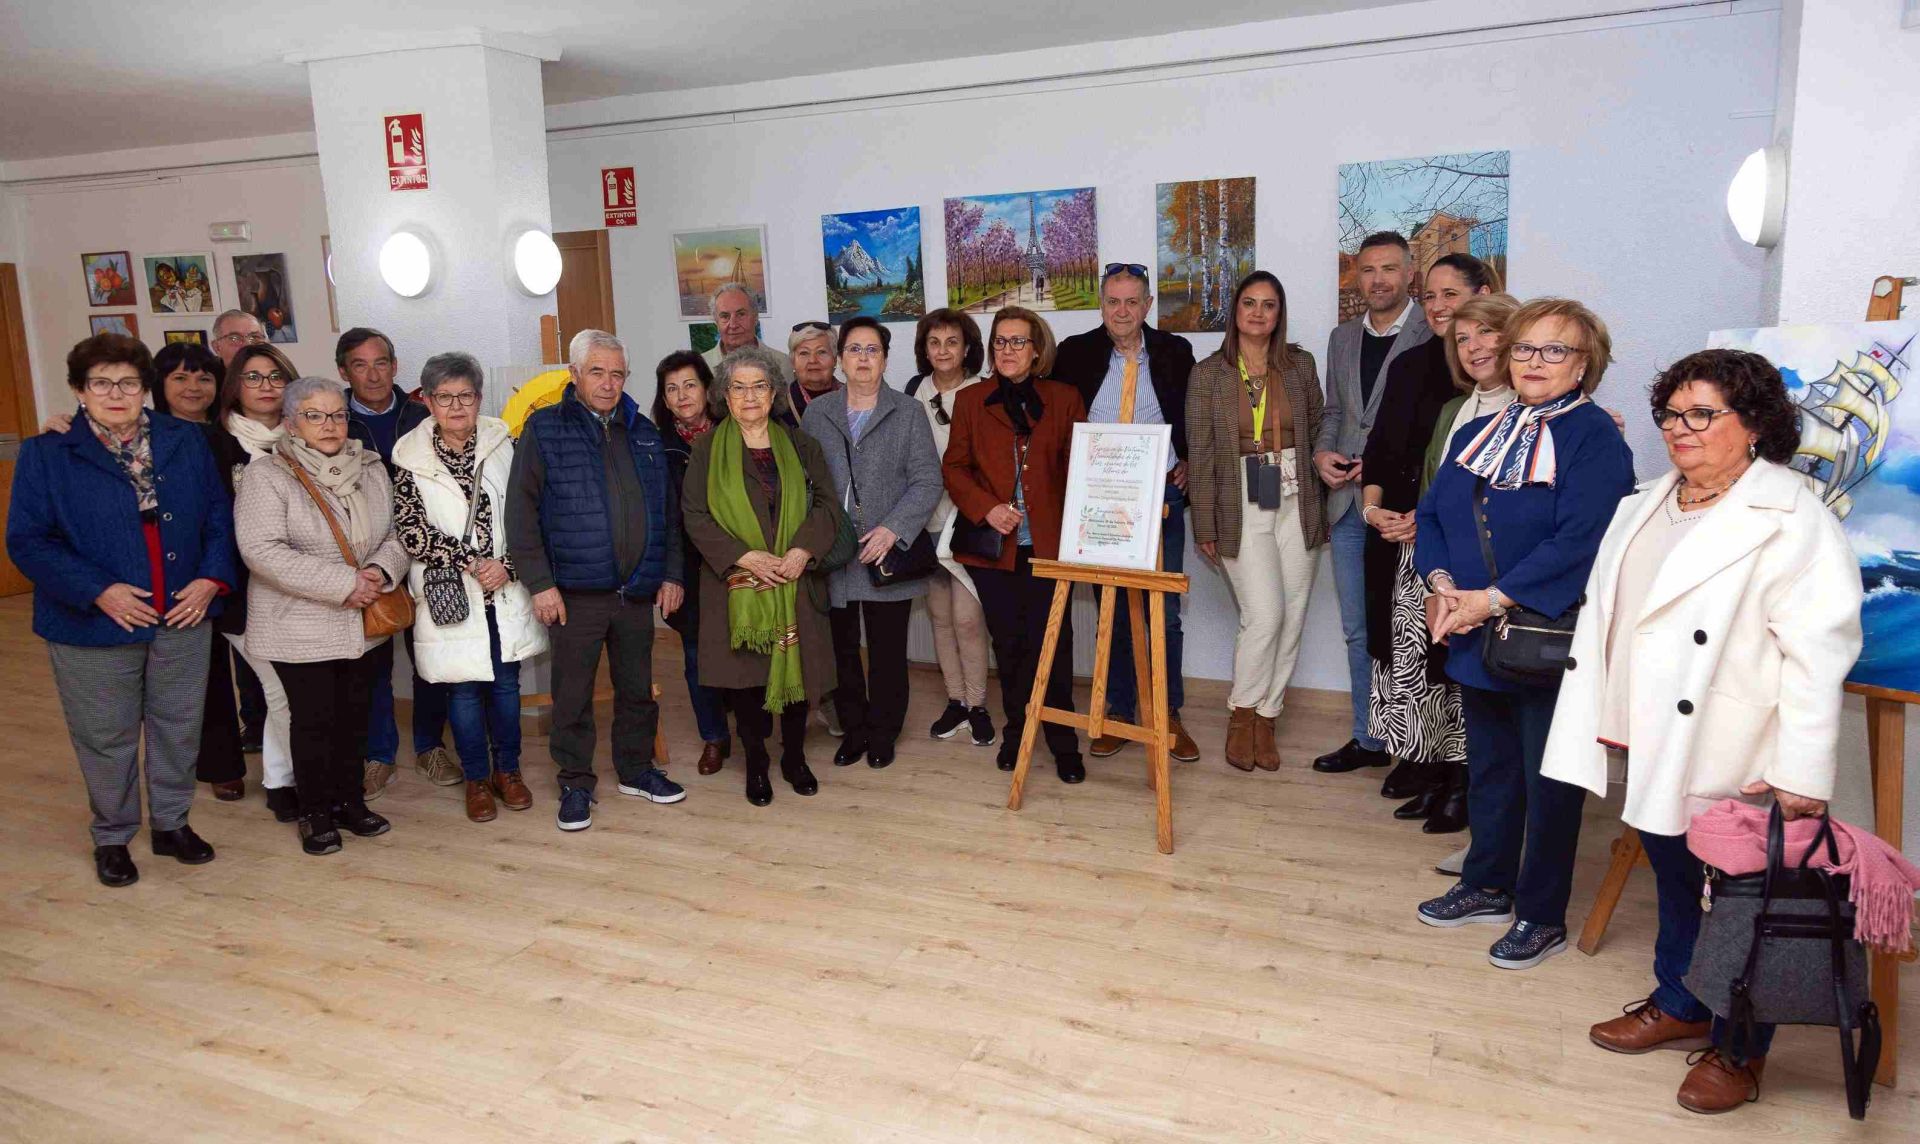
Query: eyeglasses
pixel 1553 353
pixel 750 389
pixel 1699 418
pixel 254 379
pixel 255 338
pixel 1133 268
pixel 1012 343
pixel 812 325
pixel 940 410
pixel 125 386
pixel 449 400
pixel 315 417
pixel 862 351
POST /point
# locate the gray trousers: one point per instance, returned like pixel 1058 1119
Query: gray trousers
pixel 603 622
pixel 109 694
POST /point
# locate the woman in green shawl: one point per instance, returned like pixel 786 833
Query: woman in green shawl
pixel 758 505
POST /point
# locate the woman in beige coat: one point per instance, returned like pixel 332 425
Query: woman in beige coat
pixel 304 599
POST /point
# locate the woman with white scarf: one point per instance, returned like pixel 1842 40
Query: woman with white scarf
pixel 304 600
pixel 1533 487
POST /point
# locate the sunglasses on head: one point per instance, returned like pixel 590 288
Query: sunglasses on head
pixel 1116 268
pixel 821 326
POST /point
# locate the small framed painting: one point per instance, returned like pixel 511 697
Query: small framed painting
pixel 181 284
pixel 126 325
pixel 109 276
pixel 186 338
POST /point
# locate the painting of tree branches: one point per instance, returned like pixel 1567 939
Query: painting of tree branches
pixel 1203 249
pixel 1442 204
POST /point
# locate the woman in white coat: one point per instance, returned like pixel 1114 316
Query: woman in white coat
pixel 474 622
pixel 1722 617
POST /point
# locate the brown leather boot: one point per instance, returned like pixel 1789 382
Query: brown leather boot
pixel 511 791
pixel 1240 746
pixel 712 755
pixel 1266 755
pixel 1715 1084
pixel 1184 749
pixel 480 806
pixel 1642 1028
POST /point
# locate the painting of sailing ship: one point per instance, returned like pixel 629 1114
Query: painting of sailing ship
pixel 1203 248
pixel 1441 204
pixel 1860 450
pixel 873 265
pixel 1038 249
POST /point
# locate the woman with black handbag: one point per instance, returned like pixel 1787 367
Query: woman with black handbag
pixel 1505 536
pixel 886 477
pixel 1717 698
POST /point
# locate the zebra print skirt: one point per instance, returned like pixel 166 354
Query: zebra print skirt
pixel 1416 717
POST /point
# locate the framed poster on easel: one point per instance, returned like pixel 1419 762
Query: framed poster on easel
pixel 1116 485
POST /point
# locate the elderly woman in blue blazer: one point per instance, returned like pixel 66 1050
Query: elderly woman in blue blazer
pixel 1534 486
pixel 123 525
pixel 886 476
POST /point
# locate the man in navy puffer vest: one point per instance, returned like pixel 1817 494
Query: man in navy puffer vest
pixel 593 524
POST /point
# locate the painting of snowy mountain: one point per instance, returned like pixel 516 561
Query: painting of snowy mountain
pixel 873 265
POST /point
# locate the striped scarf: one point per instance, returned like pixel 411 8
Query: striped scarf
pixel 1516 447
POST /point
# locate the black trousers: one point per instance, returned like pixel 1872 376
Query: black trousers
pixel 1016 604
pixel 755 723
pixel 623 628
pixel 327 705
pixel 871 699
pixel 220 759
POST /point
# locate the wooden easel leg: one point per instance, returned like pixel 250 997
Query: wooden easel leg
pixel 1886 756
pixel 1043 672
pixel 659 736
pixel 1102 655
pixel 1626 852
pixel 1162 731
pixel 1143 677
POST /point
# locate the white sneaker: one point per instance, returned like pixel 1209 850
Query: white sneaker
pixel 1453 863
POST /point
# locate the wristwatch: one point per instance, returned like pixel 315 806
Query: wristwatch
pixel 1494 606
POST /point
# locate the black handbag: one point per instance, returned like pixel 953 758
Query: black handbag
pixel 982 541
pixel 900 565
pixel 1523 646
pixel 1777 947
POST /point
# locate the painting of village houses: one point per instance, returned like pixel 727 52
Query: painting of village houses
pixel 1038 249
pixel 1443 204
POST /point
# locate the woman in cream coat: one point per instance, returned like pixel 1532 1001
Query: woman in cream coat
pixel 449 495
pixel 1722 617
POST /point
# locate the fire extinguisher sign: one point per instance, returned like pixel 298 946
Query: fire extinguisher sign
pixel 406 142
pixel 616 196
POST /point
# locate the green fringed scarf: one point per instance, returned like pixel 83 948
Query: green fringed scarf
pixel 760 616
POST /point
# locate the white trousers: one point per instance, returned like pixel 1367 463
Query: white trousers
pixel 276 738
pixel 1272 578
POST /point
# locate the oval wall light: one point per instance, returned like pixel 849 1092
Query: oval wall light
pixel 1757 197
pixel 536 262
pixel 406 264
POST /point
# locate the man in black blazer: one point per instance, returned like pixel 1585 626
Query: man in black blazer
pixel 1097 363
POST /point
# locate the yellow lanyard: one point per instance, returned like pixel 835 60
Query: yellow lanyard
pixel 1260 410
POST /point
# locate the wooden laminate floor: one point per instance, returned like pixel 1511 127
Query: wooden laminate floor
pixel 897 959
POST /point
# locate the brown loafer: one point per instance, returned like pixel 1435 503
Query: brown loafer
pixel 230 792
pixel 513 793
pixel 480 806
pixel 1106 746
pixel 1240 748
pixel 1266 755
pixel 1642 1028
pixel 712 756
pixel 1715 1084
pixel 1184 749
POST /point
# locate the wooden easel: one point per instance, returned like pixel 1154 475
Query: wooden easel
pixel 1886 763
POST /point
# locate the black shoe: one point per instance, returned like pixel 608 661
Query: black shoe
pixel 317 835
pixel 250 740
pixel 363 822
pixel 1420 805
pixel 284 802
pixel 759 784
pixel 1009 753
pixel 799 776
pixel 950 720
pixel 880 756
pixel 1350 757
pixel 182 844
pixel 114 866
pixel 980 724
pixel 1412 777
pixel 1071 769
pixel 1450 816
pixel 853 747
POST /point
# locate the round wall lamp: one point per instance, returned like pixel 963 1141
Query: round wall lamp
pixel 1757 197
pixel 406 264
pixel 536 262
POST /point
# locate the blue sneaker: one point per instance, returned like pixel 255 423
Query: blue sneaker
pixel 1465 905
pixel 576 809
pixel 1527 944
pixel 654 786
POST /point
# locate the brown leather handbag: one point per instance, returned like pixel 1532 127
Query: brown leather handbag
pixel 390 612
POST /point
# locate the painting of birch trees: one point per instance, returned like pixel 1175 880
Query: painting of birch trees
pixel 1205 247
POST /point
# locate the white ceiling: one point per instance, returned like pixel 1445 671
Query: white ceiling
pixel 80 76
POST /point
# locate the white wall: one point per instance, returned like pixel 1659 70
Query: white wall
pixel 1623 138
pixel 163 213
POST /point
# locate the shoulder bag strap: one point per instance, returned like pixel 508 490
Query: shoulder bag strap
pixel 1480 528
pixel 339 536
pixel 852 481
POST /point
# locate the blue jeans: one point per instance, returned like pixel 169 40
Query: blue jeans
pixel 487 710
pixel 1676 877
pixel 1350 578
pixel 1122 686
pixel 429 709
pixel 1512 805
pixel 709 703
